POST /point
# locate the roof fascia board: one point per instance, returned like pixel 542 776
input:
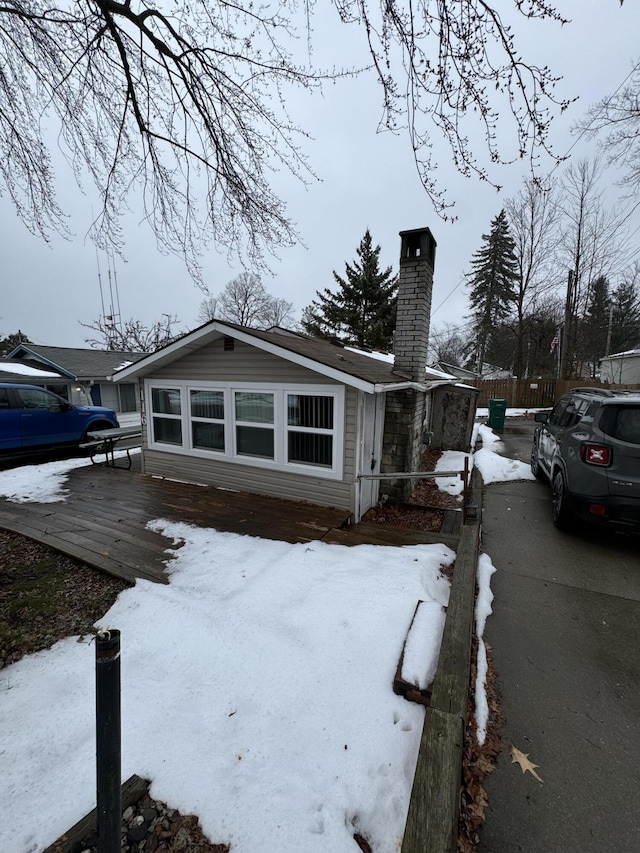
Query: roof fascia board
pixel 21 349
pixel 265 346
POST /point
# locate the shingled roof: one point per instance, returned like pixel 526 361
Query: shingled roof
pixel 320 355
pixel 75 363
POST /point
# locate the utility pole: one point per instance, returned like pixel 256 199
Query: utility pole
pixel 566 351
pixel 606 349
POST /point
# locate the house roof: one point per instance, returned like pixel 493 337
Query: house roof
pixel 75 363
pixel 631 353
pixel 358 369
pixel 455 370
pixel 18 372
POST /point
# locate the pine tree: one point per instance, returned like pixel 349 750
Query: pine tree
pixel 362 312
pixel 625 318
pixel 595 324
pixel 494 272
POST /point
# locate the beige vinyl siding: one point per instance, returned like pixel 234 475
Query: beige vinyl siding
pixel 242 364
pixel 246 478
pixel 246 364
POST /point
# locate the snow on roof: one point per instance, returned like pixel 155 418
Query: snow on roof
pixel 431 372
pixel 381 356
pixel 625 354
pixel 16 367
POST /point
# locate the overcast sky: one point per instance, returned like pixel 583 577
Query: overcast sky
pixel 367 180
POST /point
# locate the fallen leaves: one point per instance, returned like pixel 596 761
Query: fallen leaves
pixel 522 759
pixel 478 760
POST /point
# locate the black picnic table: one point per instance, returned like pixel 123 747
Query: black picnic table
pixel 106 440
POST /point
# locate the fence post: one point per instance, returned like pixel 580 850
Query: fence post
pixel 108 745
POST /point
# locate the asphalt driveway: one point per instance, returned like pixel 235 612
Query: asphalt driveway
pixel 565 633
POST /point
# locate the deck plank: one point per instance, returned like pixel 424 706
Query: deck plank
pixel 103 520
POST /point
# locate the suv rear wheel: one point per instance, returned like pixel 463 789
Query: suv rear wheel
pixel 536 470
pixel 560 510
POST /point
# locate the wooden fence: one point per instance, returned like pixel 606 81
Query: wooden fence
pixel 533 393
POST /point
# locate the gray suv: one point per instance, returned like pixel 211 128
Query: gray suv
pixel 588 448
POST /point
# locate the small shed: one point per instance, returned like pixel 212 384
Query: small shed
pixel 452 416
pixel 621 368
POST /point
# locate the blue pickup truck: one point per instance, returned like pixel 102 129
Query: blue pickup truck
pixel 32 418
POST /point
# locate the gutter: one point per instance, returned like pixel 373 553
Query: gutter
pixel 429 385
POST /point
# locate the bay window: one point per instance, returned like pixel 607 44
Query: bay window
pixel 285 427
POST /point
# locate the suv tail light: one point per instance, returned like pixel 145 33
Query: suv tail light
pixel 596 454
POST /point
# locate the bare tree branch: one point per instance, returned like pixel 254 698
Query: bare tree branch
pixel 616 120
pixel 186 101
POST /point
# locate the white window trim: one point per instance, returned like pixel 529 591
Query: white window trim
pixel 201 420
pixel 273 426
pixel 169 416
pixel 280 425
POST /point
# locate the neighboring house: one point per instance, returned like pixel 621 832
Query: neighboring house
pixel 82 376
pixel 621 368
pixel 282 414
pixel 489 371
pixel 454 370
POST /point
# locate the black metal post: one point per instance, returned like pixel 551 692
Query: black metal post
pixel 109 793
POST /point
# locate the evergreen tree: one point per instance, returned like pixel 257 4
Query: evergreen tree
pixel 10 342
pixel 595 325
pixel 362 312
pixel 494 273
pixel 625 317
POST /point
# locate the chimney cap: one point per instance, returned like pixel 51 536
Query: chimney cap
pixel 410 231
pixel 417 244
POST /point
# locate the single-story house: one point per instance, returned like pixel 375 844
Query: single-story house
pixel 621 368
pixel 283 414
pixel 82 376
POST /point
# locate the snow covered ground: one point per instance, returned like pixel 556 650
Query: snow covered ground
pixel 256 688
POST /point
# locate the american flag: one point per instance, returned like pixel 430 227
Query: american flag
pixel 554 344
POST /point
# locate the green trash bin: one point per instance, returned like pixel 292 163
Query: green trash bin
pixel 497 413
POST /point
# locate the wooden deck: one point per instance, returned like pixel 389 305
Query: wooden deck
pixel 103 521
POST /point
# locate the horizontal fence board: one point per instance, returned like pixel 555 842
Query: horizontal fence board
pixel 534 393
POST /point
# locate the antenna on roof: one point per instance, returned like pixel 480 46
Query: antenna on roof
pixel 110 322
pixel 100 281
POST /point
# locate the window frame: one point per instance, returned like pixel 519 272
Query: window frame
pixel 263 425
pixel 169 386
pixel 307 430
pixel 281 392
pixel 200 419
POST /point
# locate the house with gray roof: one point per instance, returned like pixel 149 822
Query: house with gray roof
pixel 82 376
pixel 282 414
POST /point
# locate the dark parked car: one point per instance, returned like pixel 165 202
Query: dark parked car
pixel 589 450
pixel 34 419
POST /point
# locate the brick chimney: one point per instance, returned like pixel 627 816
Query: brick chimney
pixel 405 410
pixel 415 284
